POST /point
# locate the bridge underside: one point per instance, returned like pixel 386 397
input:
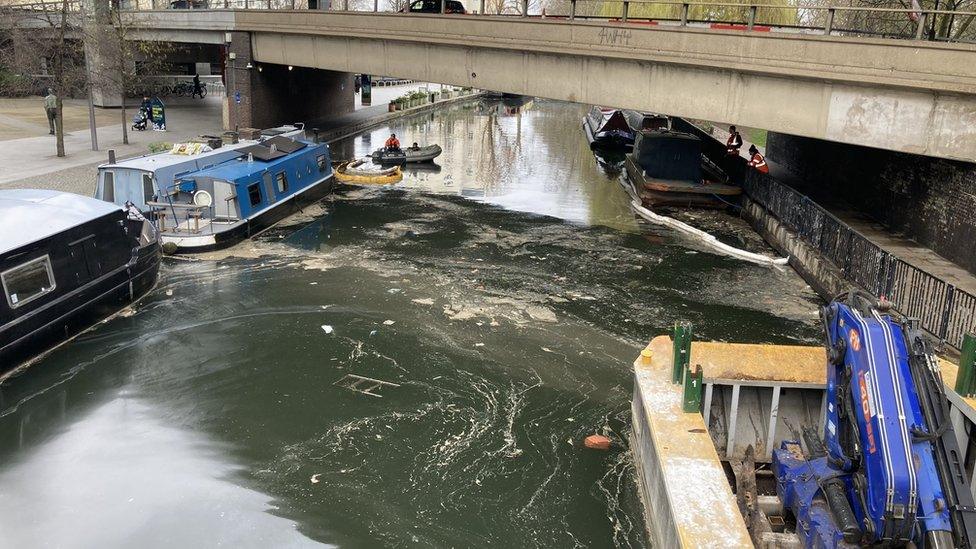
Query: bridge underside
pixel 918 122
pixel 914 97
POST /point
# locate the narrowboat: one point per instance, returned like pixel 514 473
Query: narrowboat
pixel 667 168
pixel 608 129
pixel 140 180
pixel 66 262
pixel 220 205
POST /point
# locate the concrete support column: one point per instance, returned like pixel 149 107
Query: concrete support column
pixel 271 95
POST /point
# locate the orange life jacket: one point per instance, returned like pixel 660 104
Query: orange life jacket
pixel 759 163
pixel 393 143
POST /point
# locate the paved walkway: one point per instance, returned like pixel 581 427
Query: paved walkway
pixel 33 161
pixel 29 160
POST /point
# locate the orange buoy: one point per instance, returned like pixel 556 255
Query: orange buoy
pixel 597 442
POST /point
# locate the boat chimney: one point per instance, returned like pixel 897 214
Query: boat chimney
pixel 315 132
pixel 111 156
pixel 250 157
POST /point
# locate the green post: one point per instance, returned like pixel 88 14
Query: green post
pixel 692 396
pixel 966 377
pixel 682 350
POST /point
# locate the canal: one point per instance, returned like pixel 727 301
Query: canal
pixel 505 293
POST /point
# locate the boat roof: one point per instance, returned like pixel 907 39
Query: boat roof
pixel 153 162
pixel 30 215
pixel 238 168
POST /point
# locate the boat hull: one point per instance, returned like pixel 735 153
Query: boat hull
pixel 609 140
pixel 252 226
pixel 425 154
pixel 656 192
pixel 80 309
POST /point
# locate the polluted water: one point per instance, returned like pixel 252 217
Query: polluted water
pixel 407 366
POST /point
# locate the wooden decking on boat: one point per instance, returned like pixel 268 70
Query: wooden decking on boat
pixel 672 186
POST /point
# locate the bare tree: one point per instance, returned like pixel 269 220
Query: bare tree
pixel 38 49
pixel 124 66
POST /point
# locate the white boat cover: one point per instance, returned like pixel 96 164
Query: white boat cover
pixel 29 215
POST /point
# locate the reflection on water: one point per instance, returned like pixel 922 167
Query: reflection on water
pixel 532 158
pixel 211 416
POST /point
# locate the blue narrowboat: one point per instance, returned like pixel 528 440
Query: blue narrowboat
pixel 224 202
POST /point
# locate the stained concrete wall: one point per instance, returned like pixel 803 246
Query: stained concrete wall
pixel 929 200
pixel 272 95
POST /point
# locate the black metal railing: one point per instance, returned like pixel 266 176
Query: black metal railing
pixel 944 310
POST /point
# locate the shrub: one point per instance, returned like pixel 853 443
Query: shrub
pixel 160 146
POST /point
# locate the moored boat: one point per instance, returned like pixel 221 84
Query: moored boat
pixel 143 179
pixel 667 168
pixel 608 129
pixel 352 172
pixel 407 155
pixel 66 262
pixel 220 205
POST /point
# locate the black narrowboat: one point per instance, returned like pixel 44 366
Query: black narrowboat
pixel 66 262
pixel 667 168
pixel 608 129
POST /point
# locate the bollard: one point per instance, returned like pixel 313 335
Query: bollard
pixel 692 395
pixel 682 350
pixel 966 377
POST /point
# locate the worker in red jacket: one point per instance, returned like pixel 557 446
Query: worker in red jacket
pixel 757 160
pixel 734 142
pixel 392 144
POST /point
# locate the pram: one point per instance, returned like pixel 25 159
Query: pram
pixel 140 121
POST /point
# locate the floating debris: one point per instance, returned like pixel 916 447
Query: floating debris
pixel 597 442
pixel 327 329
pixel 389 322
pixel 364 385
pixel 315 478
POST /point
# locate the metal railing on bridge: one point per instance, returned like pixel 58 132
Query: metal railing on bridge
pixel 944 310
pixel 839 20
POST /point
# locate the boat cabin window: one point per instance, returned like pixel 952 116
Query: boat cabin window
pixel 108 187
pixel 148 189
pixel 281 181
pixel 254 194
pixel 25 283
pixel 320 160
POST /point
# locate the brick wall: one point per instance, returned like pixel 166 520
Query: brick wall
pixel 275 95
pixel 930 200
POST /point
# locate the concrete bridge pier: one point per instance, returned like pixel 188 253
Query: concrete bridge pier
pixel 264 95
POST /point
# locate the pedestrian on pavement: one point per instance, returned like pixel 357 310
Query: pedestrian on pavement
pixel 734 142
pixel 197 87
pixel 51 107
pixel 757 160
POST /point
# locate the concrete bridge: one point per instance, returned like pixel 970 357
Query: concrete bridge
pixel 903 95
